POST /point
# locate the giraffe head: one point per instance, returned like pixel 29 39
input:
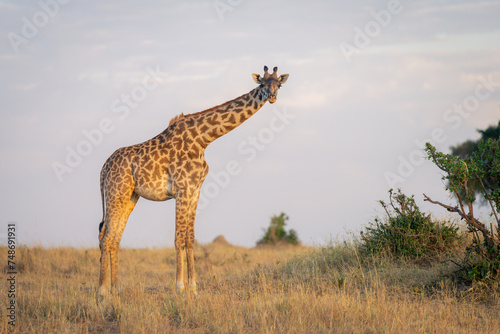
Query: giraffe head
pixel 270 82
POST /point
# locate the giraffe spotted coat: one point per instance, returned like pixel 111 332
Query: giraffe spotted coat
pixel 171 165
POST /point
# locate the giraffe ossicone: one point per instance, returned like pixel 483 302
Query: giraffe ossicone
pixel 171 165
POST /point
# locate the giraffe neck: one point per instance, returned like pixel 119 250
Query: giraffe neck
pixel 217 121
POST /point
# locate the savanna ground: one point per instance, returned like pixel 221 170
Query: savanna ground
pixel 281 289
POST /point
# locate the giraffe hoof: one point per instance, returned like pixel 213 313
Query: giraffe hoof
pixel 99 299
pixel 102 291
pixel 101 294
pixel 180 287
pixel 193 290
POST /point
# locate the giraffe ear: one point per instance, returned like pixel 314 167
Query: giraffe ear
pixel 283 78
pixel 257 78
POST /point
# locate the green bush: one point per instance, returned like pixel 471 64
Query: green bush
pixel 276 232
pixel 482 260
pixel 407 232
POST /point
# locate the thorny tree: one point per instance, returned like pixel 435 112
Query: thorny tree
pixel 483 168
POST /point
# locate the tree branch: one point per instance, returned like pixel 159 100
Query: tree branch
pixel 471 220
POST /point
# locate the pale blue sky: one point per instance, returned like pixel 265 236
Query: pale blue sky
pixel 370 81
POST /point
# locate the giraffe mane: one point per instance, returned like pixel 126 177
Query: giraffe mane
pixel 176 118
pixel 182 116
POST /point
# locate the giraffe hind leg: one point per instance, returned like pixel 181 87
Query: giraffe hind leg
pixel 117 212
pixel 107 233
pixel 103 269
pixel 109 247
pixel 115 244
pixel 115 240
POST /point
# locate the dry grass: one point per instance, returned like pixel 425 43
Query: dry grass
pixel 259 290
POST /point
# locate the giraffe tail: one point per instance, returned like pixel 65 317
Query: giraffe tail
pixel 102 227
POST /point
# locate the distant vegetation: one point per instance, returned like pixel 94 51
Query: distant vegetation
pixel 276 232
pixel 467 150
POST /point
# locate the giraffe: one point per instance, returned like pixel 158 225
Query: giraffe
pixel 171 165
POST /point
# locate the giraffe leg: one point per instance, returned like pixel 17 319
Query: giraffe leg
pixel 186 203
pixel 115 220
pixel 105 243
pixel 190 242
pixel 182 206
pixel 115 244
pixel 107 246
pixel 113 252
pixel 190 258
pixel 109 249
pixel 180 257
pixel 103 268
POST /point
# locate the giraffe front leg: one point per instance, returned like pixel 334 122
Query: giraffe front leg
pixel 190 243
pixel 190 259
pixel 180 257
pixel 181 206
pixel 184 238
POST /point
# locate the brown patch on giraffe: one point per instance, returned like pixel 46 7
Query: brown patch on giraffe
pixel 156 174
pixel 187 144
pixel 177 143
pixel 188 166
pixel 193 132
pixel 163 160
pixel 232 119
pixel 204 128
pixel 155 155
pixel 214 120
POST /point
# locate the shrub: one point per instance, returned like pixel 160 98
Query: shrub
pixel 407 232
pixel 276 232
pixel 482 168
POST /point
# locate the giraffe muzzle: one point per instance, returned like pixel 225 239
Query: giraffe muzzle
pixel 272 98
